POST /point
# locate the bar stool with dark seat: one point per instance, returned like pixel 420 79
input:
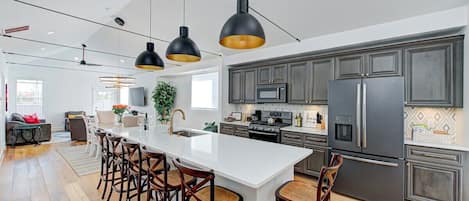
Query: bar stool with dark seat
pixel 163 180
pixel 105 155
pixel 299 191
pixel 200 191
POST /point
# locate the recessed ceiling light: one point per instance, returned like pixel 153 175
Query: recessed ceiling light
pixel 43 48
pixel 50 33
pixel 122 61
pixel 76 58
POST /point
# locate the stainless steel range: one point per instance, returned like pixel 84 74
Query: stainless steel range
pixel 268 127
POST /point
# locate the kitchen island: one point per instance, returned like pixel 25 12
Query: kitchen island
pixel 254 169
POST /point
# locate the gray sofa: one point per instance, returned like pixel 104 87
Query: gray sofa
pixel 45 134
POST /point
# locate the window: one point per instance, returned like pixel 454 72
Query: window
pixel 205 91
pixel 124 96
pixel 29 97
pixel 104 99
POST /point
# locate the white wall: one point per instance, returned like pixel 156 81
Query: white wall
pixel 63 91
pixel 3 75
pixel 148 81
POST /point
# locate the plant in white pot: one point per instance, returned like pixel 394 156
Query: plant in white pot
pixel 163 99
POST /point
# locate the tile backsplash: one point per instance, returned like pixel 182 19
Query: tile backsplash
pixel 442 119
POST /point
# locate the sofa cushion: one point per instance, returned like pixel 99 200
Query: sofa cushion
pixel 17 117
pixel 31 119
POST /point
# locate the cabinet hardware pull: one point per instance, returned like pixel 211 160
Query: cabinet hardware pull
pixel 434 155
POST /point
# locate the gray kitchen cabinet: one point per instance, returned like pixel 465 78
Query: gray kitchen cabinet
pixel 232 129
pixel 298 82
pixel 384 63
pixel 434 174
pixel 349 66
pixel 249 88
pixel 318 143
pixel 321 72
pixel 433 74
pixel 242 86
pixel 273 74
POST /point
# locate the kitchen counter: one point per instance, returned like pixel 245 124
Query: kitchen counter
pixel 314 131
pixel 244 165
pixel 238 123
pixel 457 147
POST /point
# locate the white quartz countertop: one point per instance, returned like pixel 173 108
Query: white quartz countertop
pixel 250 162
pixel 238 123
pixel 305 130
pixel 457 147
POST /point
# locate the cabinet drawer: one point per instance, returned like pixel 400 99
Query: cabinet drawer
pixel 311 139
pixel 242 131
pixel 434 155
pixel 292 138
pixel 227 131
pixel 226 126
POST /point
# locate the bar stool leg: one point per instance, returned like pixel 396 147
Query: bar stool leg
pixel 114 167
pixel 107 178
pixel 122 170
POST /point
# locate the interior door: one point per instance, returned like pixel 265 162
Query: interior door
pixel 383 116
pixel 344 114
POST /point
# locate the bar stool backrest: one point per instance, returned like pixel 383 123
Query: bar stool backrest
pixel 113 143
pixel 327 178
pixel 154 160
pixel 205 177
pixel 132 149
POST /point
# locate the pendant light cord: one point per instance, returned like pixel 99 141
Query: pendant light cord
pixel 149 36
pixel 275 24
pixel 184 13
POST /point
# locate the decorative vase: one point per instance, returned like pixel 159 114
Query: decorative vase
pixel 119 118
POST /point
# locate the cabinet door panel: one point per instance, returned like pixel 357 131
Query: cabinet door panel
pixel 384 63
pixel 315 161
pixel 322 72
pixel 429 75
pixel 428 182
pixel 349 66
pixel 279 74
pixel 298 82
pixel 264 75
pixel 236 86
pixel 250 86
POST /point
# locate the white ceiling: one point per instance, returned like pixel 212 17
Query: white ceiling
pixel 303 18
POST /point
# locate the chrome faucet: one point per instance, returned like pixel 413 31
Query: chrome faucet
pixel 171 119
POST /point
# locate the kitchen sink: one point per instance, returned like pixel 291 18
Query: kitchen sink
pixel 188 133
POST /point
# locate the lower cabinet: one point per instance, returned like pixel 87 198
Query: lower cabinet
pixel 232 129
pixel 440 179
pixel 313 163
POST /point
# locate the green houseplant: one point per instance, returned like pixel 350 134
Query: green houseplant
pixel 163 99
pixel 211 126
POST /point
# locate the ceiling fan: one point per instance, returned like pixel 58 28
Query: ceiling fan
pixel 83 62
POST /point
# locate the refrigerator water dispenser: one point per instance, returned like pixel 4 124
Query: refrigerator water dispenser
pixel 343 128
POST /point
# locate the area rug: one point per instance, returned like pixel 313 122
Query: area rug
pixel 59 137
pixel 79 160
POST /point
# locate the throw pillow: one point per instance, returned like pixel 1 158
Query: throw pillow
pixel 17 117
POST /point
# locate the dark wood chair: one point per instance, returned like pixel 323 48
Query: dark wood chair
pixel 300 191
pixel 161 180
pixel 200 191
pixel 105 156
pixel 118 164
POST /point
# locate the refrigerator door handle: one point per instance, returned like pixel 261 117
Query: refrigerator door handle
pixel 359 143
pixel 364 117
pixel 376 162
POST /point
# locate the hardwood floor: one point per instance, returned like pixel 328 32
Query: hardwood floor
pixel 38 173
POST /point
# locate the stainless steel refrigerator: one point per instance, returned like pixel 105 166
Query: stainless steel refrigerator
pixel 366 126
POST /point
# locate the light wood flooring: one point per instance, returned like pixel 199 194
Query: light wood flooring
pixel 38 173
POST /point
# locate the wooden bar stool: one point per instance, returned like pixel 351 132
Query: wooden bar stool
pixel 104 155
pixel 200 191
pixel 163 180
pixel 299 191
pixel 118 163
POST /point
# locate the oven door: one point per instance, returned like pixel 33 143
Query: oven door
pixel 264 136
pixel 272 93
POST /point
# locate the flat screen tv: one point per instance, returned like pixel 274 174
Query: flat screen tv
pixel 137 96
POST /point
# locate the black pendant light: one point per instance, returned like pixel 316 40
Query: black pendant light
pixel 183 48
pixel 242 30
pixel 148 59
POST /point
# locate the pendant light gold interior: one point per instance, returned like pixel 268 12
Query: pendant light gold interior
pixel 242 41
pixel 183 57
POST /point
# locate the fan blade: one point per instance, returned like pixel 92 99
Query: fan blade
pixel 93 64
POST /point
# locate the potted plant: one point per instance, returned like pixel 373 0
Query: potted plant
pixel 211 126
pixel 119 110
pixel 163 99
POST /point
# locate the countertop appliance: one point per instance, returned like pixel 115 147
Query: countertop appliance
pixel 271 93
pixel 366 126
pixel 263 130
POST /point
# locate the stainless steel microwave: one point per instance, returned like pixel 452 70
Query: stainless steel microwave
pixel 271 93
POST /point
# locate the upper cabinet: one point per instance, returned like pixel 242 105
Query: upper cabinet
pixel 242 86
pixel 309 81
pixel 434 74
pixel 272 74
pixel 350 66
